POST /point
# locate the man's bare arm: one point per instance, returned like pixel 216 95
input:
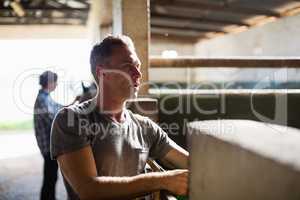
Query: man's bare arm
pixel 177 157
pixel 80 171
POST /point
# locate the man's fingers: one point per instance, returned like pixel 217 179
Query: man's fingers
pixel 178 181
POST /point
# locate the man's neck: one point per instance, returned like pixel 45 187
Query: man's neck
pixel 46 90
pixel 113 108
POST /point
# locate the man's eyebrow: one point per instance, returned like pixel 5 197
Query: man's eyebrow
pixel 136 62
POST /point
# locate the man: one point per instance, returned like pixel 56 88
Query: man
pixel 102 147
pixel 44 111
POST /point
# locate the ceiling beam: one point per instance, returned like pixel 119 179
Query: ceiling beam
pixel 49 9
pixel 180 32
pixel 43 21
pixel 291 12
pixel 192 23
pixel 185 28
pixel 204 6
pixel 49 14
pixel 56 4
pixel 46 15
pixel 84 2
pixel 174 38
pixel 198 19
pixel 177 12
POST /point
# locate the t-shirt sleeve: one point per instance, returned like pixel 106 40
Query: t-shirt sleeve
pixel 161 144
pixel 65 134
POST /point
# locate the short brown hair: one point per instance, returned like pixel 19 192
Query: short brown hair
pixel 102 51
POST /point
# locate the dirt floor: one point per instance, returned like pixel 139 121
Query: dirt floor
pixel 21 170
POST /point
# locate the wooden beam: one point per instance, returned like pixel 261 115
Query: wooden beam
pixel 84 2
pixel 178 32
pixel 195 19
pixel 260 22
pixel 55 4
pixel 179 27
pixel 189 24
pixel 174 38
pixel 291 12
pixel 65 9
pixel 63 13
pixel 225 26
pixel 44 21
pixel 156 62
pixel 177 13
pixel 224 8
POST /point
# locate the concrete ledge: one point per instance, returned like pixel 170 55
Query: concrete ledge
pixel 242 159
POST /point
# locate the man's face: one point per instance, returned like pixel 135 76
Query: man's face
pixel 122 76
pixel 52 85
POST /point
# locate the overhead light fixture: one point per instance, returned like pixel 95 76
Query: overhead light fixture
pixel 18 8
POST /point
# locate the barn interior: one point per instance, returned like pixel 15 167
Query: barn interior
pixel 221 77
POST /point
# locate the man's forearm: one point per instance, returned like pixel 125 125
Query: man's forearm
pixel 122 187
pixel 86 182
pixel 177 158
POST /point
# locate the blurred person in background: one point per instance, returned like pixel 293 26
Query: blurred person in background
pixel 45 109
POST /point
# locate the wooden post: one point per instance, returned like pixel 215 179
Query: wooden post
pixel 131 17
pixel 94 22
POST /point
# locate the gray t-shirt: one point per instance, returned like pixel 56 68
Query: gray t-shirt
pixel 119 149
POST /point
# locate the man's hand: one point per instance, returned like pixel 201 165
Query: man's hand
pixel 176 181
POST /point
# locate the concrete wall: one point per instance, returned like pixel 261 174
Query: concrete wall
pixel 279 38
pixel 183 48
pixel 160 44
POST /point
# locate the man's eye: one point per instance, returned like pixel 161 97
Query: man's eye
pixel 128 67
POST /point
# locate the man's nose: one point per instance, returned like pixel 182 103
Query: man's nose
pixel 137 73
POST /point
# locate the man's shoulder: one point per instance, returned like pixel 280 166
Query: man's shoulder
pixel 41 97
pixel 83 108
pixel 136 116
pixel 80 109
